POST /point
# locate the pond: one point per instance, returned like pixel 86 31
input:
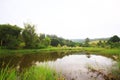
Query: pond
pixel 73 66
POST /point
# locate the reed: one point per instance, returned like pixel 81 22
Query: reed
pixel 32 73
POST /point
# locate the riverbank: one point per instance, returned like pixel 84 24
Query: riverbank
pixel 93 50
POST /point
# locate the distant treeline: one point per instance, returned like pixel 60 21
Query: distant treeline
pixel 14 37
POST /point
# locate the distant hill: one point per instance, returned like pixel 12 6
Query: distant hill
pixel 91 40
pixel 78 40
pixel 99 39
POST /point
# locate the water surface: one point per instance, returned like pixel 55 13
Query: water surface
pixel 82 67
pixel 73 66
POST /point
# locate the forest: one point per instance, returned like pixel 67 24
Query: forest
pixel 14 37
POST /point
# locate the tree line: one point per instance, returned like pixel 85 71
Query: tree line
pixel 112 42
pixel 14 37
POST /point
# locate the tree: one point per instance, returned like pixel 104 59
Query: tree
pixel 29 36
pixel 114 39
pixel 42 36
pixel 87 40
pixel 9 35
pixel 45 42
pixel 54 42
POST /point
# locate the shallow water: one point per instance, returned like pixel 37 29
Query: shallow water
pixel 79 67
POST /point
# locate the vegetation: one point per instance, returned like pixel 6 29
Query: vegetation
pixel 33 73
pixel 9 36
pixel 29 36
pixel 114 41
pixel 14 39
pixel 87 40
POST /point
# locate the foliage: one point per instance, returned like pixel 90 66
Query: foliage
pixel 114 39
pixel 87 40
pixel 42 36
pixel 44 42
pixel 55 41
pixel 101 44
pixel 29 36
pixel 13 37
pixel 9 35
pixel 32 73
pixel 114 42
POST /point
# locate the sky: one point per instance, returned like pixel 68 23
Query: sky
pixel 70 19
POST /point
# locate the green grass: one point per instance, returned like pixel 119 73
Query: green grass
pixel 116 71
pixel 102 50
pixel 29 51
pixel 32 73
pixel 93 50
pixel 8 74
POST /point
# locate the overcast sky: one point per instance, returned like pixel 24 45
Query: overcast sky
pixel 69 19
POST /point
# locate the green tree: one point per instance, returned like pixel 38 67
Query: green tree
pixel 54 42
pixel 114 39
pixel 42 36
pixel 47 41
pixel 9 35
pixel 99 43
pixel 87 40
pixel 44 42
pixel 29 36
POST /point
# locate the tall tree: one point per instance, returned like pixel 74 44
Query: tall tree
pixel 87 40
pixel 29 36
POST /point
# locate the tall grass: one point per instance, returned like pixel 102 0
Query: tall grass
pixel 116 72
pixel 8 74
pixel 33 73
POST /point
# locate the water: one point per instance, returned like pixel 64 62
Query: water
pixel 79 67
pixel 75 66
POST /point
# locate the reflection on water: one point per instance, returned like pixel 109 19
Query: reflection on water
pixel 27 60
pixel 74 66
pixel 77 67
